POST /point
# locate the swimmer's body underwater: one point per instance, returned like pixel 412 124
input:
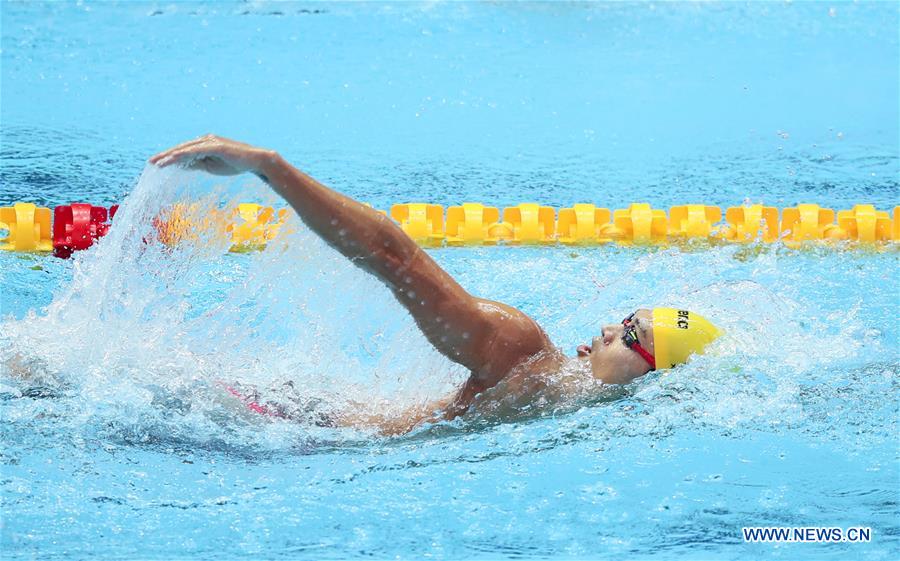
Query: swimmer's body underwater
pixel 495 342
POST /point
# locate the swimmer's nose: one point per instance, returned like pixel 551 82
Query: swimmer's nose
pixel 608 334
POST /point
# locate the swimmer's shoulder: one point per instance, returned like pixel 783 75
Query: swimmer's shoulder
pixel 515 348
pixel 515 338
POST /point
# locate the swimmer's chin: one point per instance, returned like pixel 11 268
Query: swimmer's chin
pixel 581 364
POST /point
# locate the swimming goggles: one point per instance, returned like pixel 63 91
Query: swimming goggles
pixel 630 338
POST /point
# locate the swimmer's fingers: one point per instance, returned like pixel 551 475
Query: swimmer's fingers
pixel 168 158
pixel 213 165
pixel 187 158
pixel 156 158
pixel 209 144
pixel 210 153
pixel 200 157
pixel 187 153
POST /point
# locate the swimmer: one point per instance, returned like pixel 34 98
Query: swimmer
pixel 506 352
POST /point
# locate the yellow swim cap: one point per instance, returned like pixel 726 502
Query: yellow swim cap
pixel 677 334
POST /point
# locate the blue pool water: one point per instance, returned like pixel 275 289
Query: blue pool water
pixel 120 445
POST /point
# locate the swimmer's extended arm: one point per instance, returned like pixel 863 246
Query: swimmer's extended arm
pixel 360 416
pixel 487 337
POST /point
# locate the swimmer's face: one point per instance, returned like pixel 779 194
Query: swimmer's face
pixel 610 358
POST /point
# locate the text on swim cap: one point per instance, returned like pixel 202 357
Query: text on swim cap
pixel 682 321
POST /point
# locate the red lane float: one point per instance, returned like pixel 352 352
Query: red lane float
pixel 76 226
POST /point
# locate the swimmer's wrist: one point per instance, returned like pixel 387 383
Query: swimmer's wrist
pixel 267 164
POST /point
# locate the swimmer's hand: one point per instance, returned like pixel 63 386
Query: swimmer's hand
pixel 216 155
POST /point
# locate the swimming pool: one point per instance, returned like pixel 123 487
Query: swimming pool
pixel 124 448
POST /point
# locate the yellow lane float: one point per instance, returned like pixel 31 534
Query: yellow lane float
pixel 807 222
pixel 750 223
pixel 253 226
pixel 28 228
pixel 693 221
pixel 641 224
pixel 585 224
pixel 530 223
pixel 895 230
pixel 863 223
pixel 422 222
pixel 474 224
pixel 190 222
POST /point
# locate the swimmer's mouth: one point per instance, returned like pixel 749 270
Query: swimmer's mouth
pixel 584 350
